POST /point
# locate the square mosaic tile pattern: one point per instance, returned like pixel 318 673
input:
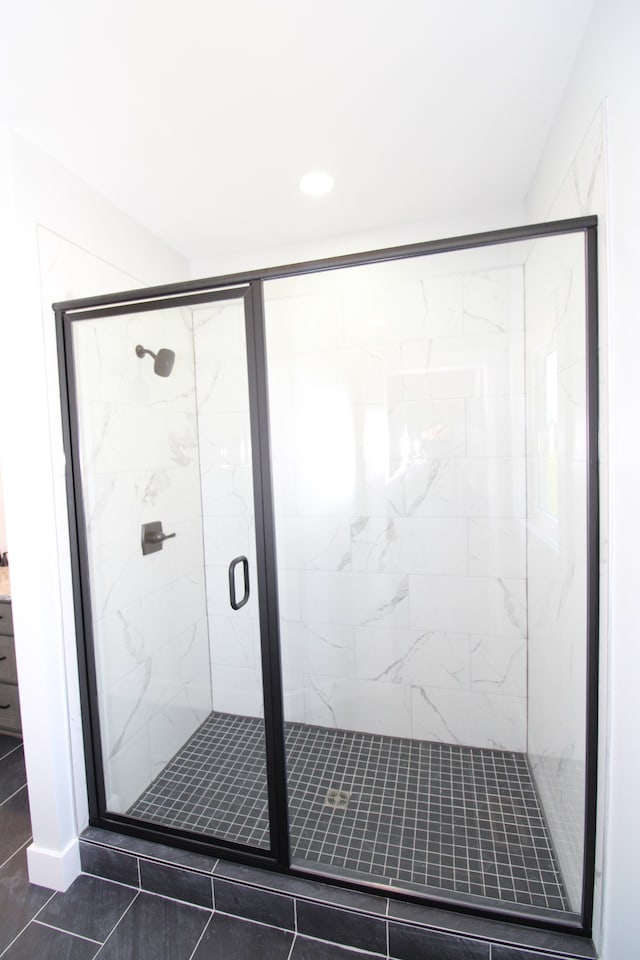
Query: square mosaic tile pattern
pixel 459 819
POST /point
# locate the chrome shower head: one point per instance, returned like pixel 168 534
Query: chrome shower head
pixel 162 360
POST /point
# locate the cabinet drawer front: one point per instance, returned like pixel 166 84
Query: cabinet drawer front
pixel 6 619
pixel 7 661
pixel 9 707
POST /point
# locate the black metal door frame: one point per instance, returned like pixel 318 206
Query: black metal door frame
pixel 249 286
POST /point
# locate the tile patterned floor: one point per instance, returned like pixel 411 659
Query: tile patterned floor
pixel 418 814
pixel 98 918
pixel 148 912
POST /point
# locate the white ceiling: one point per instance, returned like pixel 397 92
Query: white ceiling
pixel 198 117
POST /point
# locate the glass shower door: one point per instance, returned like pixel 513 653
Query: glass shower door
pixel 163 450
pixel 429 471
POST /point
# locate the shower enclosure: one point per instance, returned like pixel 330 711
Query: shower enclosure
pixel 335 559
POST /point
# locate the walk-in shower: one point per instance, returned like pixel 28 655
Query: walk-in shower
pixel 366 648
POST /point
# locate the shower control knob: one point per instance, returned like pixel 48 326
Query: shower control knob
pixel 158 537
pixel 153 537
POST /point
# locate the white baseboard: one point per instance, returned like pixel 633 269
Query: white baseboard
pixel 55 869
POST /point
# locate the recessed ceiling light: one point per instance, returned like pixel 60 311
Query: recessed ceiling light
pixel 316 183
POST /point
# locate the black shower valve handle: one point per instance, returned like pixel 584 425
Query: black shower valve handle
pixel 152 537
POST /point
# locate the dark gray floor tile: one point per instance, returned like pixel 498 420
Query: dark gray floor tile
pixel 39 941
pixel 342 926
pixel 176 883
pixel 495 930
pixel 254 904
pixel 15 825
pixel 91 907
pixel 8 744
pixel 20 899
pixel 305 949
pixel 150 850
pixel 512 953
pixel 110 864
pixel 156 929
pixel 12 773
pixel 301 887
pixel 412 943
pixel 229 938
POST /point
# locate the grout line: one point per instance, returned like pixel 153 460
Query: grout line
pixel 260 923
pixel 19 934
pixel 342 946
pixel 99 876
pixel 15 852
pixel 149 857
pixel 116 925
pixel 71 933
pixel 184 903
pixel 9 752
pixel 293 943
pixel 14 794
pixel 200 938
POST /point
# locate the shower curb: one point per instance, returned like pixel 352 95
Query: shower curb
pixel 311 909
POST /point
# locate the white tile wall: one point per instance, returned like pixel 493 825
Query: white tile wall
pixel 557 544
pixel 139 454
pixel 397 411
pixel 224 436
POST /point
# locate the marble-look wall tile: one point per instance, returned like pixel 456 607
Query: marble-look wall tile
pixel 471 718
pixel 322 649
pixel 379 600
pixel 139 455
pixel 351 704
pixel 489 606
pixel 557 524
pixel 224 434
pixel 430 546
pixel 482 488
pixel 493 301
pixel 399 476
pixel 495 426
pixel 401 656
pixel 497 548
pixel 498 665
pixel 490 364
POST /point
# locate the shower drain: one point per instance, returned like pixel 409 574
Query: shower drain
pixel 337 799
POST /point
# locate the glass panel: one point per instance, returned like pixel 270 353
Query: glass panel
pixel 432 601
pixel 164 439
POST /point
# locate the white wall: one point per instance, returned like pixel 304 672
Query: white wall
pixel 608 68
pixel 36 192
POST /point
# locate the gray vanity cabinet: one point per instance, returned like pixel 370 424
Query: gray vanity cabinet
pixel 9 702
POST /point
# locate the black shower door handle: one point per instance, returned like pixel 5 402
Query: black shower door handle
pixel 235 604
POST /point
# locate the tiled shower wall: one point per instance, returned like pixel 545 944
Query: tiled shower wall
pixel 227 503
pixel 140 463
pixel 397 419
pixel 557 547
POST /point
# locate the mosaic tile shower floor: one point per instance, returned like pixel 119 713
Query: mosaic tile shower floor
pixel 418 814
